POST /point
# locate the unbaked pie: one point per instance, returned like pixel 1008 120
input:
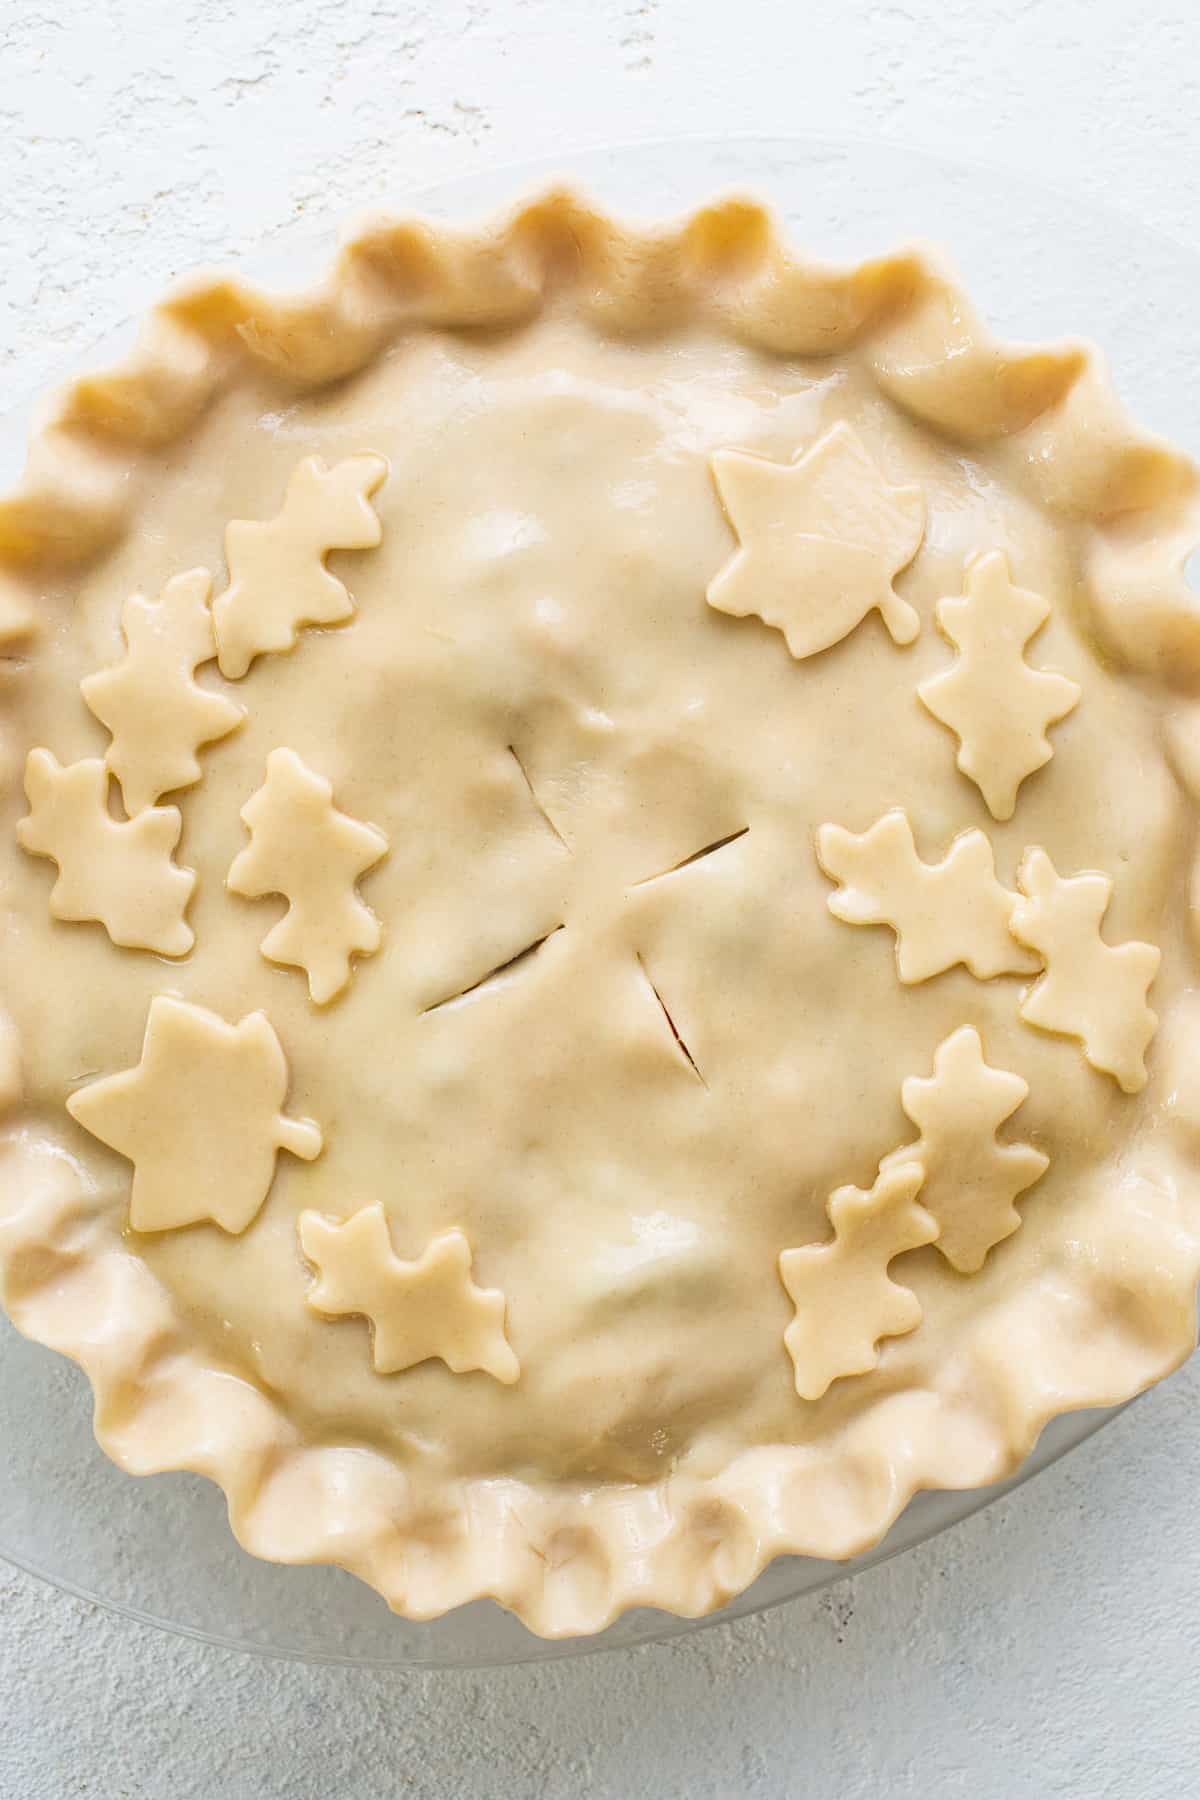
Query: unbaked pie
pixel 598 941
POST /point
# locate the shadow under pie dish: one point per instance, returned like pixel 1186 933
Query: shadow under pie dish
pixel 597 946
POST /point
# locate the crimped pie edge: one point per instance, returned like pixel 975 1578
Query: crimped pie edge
pixel 568 1560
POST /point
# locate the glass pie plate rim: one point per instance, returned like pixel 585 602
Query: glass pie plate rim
pixel 159 1550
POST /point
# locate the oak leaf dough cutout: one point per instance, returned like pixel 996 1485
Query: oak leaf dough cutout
pixel 821 540
pixel 417 1310
pixel 278 581
pixel 304 849
pixel 971 1179
pixel 1092 991
pixel 943 913
pixel 845 1299
pixel 118 872
pixel 994 702
pixel 199 1118
pixel 157 713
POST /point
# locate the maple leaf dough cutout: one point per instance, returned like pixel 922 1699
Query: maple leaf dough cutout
pixel 820 541
pixel 971 1180
pixel 994 702
pixel 199 1118
pixel 1092 991
pixel 157 713
pixel 417 1310
pixel 845 1299
pixel 118 872
pixel 953 911
pixel 277 575
pixel 303 848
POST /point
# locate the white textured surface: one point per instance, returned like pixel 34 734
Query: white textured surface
pixel 1047 1647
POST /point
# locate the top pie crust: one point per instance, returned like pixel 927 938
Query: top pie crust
pixel 689 1033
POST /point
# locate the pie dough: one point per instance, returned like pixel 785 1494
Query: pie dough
pixel 617 996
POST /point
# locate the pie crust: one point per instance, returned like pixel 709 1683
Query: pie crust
pixel 618 992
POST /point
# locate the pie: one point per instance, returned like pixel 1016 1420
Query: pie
pixel 598 961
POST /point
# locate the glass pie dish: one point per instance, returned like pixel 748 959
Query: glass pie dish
pixel 159 1549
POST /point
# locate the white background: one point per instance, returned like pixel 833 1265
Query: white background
pixel 1049 1646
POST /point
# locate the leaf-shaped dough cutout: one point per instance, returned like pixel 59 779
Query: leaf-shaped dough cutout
pixel 1091 990
pixel 158 714
pixel 820 541
pixel 845 1299
pixel 971 1179
pixel 118 872
pixel 278 581
pixel 417 1310
pixel 200 1118
pixel 994 702
pixel 943 913
pixel 303 848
